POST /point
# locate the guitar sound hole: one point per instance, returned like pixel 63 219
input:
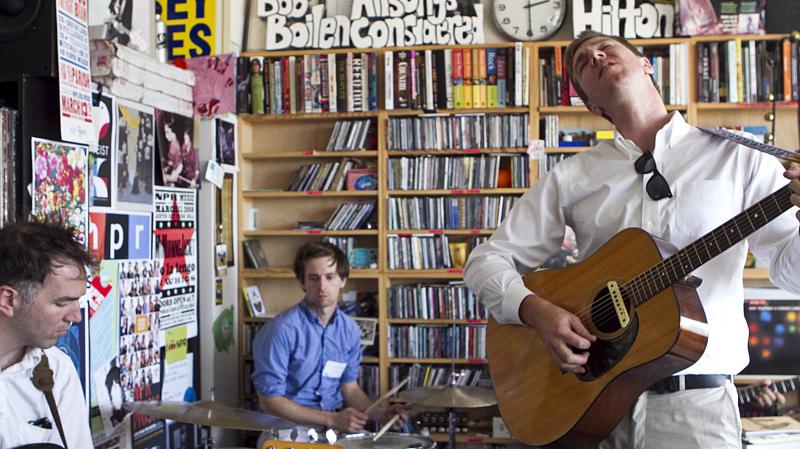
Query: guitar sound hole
pixel 607 352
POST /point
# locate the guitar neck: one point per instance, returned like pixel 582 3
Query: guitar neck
pixel 676 267
pixel 749 394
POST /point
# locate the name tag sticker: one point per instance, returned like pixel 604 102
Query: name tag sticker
pixel 333 369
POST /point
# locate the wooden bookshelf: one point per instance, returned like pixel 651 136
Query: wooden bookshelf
pixel 274 146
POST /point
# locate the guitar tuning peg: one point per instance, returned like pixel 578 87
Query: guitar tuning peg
pixel 769 116
pixel 770 97
pixel 770 138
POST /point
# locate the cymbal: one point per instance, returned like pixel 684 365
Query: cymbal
pixel 209 413
pixel 450 396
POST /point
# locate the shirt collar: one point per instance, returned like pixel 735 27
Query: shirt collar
pixel 668 136
pixel 28 363
pixel 312 315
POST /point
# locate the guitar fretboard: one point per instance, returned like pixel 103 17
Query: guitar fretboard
pixel 749 394
pixel 676 267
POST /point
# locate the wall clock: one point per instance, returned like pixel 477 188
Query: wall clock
pixel 529 20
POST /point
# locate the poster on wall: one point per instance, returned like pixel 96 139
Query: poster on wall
pixel 190 27
pixel 225 132
pixel 75 345
pixel 774 336
pixel 126 22
pixel 74 76
pixel 214 90
pixel 119 236
pixel 100 154
pixel 60 184
pixel 135 152
pixel 180 162
pixel 175 242
pixel 627 18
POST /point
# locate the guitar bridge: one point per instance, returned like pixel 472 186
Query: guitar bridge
pixel 619 304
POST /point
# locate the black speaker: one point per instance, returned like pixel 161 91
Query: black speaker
pixel 27 38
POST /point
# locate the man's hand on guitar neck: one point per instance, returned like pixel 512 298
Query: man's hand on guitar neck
pixel 560 331
pixel 793 174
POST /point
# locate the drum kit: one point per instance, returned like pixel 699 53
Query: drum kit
pixel 208 414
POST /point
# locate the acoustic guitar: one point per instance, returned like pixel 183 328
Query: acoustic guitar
pixel 635 295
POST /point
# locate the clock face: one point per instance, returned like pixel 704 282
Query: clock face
pixel 529 20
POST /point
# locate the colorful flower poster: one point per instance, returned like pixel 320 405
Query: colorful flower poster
pixel 60 184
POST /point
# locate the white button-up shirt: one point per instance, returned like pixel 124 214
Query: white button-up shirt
pixel 21 403
pixel 598 193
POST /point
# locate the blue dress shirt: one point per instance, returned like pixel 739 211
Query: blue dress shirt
pixel 298 358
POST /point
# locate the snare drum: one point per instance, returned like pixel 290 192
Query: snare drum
pixel 389 440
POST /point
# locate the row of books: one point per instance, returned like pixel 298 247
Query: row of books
pixel 433 375
pixel 449 212
pixel 418 252
pixel 350 216
pixel 326 176
pixel 551 159
pixel 457 172
pixel 369 379
pixel 9 138
pixel 458 132
pixel 437 341
pixel 556 136
pixel 737 71
pixel 249 333
pixel 456 78
pixel 349 135
pixel 452 301
pixel 358 256
pixel 311 83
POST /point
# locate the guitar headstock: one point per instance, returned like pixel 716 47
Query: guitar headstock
pixel 276 444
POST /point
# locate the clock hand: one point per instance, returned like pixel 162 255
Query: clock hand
pixel 530 5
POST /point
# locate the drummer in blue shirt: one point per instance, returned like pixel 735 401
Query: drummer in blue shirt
pixel 307 358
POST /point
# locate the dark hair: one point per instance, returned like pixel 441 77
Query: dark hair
pixel 29 250
pixel 569 55
pixel 315 250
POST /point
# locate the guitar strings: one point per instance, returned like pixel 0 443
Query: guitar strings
pixel 606 310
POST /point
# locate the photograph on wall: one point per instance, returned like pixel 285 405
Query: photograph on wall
pixel 125 22
pixel 214 87
pixel 109 396
pixel 100 155
pixel 120 236
pixel 135 153
pixel 226 142
pixel 698 17
pixel 60 192
pixel 180 163
pixel 175 242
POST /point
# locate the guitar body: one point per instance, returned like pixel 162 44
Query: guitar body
pixel 539 404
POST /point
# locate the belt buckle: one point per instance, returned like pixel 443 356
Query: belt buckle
pixel 669 384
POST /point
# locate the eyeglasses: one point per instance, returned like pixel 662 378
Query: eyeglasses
pixel 657 186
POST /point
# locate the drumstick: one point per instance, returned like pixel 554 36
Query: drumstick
pixel 394 390
pixel 385 428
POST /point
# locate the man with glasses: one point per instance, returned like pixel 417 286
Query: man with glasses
pixel 676 182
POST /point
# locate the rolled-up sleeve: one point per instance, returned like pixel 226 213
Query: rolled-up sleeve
pixel 271 352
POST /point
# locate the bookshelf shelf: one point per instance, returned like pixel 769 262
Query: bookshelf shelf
pixel 308 232
pixel 441 231
pixel 583 111
pixel 464 111
pixel 471 438
pixel 446 273
pixel 514 150
pixel 554 150
pixel 437 192
pixel 370 359
pixel 322 116
pixel 256 194
pixel 758 105
pixel 440 361
pixel 433 321
pixel 307 154
pixel 287 273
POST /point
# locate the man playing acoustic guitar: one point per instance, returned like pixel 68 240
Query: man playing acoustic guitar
pixel 677 183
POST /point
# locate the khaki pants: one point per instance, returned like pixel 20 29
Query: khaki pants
pixel 706 418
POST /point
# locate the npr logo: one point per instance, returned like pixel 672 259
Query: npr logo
pixel 120 236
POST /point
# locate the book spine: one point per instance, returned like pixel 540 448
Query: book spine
pixel 458 78
pixel 467 78
pixel 388 69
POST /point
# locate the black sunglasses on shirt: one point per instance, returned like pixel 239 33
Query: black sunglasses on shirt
pixel 657 186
